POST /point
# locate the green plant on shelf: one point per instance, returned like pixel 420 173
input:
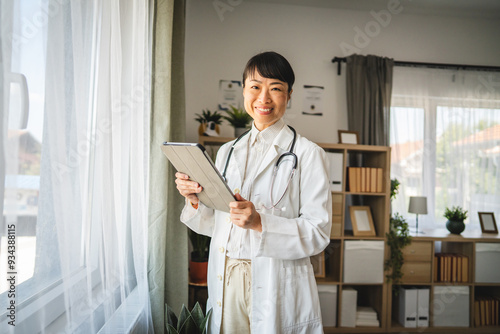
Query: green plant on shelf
pixel 200 245
pixel 237 117
pixel 209 116
pixel 398 238
pixel 394 188
pixel 456 213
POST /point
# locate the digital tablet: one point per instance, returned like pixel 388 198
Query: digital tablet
pixel 192 159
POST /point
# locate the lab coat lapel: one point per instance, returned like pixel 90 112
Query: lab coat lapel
pixel 280 145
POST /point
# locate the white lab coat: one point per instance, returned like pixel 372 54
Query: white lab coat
pixel 284 293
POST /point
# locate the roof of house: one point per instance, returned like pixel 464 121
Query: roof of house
pixel 402 151
pixel 486 135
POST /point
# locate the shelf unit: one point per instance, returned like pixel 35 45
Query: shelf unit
pixel 369 294
pixel 427 245
pixel 419 256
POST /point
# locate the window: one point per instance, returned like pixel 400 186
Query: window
pixel 75 145
pixel 445 139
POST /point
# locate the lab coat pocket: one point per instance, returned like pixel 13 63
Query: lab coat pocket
pixel 299 296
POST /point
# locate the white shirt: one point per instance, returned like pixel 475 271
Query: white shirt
pixel 259 142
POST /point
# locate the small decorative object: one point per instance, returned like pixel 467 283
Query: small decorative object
pixel 194 322
pixel 362 221
pixel 456 216
pixel 198 265
pixel 418 205
pixel 348 137
pixel 209 119
pixel 239 119
pixel 488 224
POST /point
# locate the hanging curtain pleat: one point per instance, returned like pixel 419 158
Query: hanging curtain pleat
pixel 369 86
pixel 168 243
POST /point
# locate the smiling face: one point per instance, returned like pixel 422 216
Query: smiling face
pixel 265 99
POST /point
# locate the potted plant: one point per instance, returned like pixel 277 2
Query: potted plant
pixel 239 119
pixel 208 117
pixel 188 322
pixel 398 238
pixel 456 216
pixel 199 257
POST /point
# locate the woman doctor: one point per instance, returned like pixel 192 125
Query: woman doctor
pixel 260 278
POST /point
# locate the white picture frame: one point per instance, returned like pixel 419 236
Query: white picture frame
pixel 348 137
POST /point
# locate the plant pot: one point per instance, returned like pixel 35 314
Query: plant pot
pixel 203 127
pixel 198 271
pixel 455 226
pixel 239 131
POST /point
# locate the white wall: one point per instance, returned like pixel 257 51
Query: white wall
pixel 309 38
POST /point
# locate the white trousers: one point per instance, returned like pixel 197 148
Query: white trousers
pixel 237 304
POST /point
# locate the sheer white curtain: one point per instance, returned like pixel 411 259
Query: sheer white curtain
pixel 81 238
pixel 445 139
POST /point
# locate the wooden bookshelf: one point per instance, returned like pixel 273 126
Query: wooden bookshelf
pixel 464 244
pixel 419 265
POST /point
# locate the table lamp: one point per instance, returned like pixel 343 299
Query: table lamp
pixel 418 205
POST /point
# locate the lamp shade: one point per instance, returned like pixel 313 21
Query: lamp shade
pixel 418 204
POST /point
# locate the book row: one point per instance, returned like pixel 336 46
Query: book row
pixel 365 179
pixel 486 310
pixel 451 268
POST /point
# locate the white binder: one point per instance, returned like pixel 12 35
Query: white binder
pixel 423 307
pixel 336 169
pixel 407 315
pixel 348 307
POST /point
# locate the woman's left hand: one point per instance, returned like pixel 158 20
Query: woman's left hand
pixel 244 215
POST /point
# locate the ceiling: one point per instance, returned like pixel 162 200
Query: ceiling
pixel 489 9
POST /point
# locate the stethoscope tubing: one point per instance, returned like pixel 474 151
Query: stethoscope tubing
pixel 276 166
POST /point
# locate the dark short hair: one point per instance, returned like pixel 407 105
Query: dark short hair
pixel 270 65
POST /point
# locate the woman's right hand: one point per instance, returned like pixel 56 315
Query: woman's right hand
pixel 188 188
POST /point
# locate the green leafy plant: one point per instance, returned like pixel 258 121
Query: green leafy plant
pixel 209 116
pixel 398 237
pixel 188 322
pixel 200 245
pixel 394 188
pixel 237 117
pixel 456 213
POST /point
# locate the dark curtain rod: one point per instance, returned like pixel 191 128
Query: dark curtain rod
pixel 341 60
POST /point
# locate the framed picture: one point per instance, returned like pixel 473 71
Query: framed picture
pixel 348 137
pixel 362 221
pixel 318 263
pixel 488 224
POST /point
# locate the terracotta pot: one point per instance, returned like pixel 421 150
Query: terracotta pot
pixel 198 272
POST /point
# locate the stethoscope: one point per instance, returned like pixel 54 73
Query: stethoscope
pixel 276 166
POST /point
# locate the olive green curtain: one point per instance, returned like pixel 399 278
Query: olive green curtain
pixel 168 243
pixel 369 90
